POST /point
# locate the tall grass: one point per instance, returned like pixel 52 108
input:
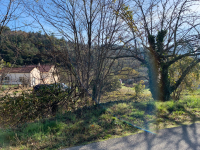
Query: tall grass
pixel 65 130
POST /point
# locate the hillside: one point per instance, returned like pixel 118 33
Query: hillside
pixel 20 48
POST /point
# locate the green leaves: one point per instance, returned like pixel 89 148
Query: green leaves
pixel 127 73
pixel 139 88
pixel 27 107
pixel 190 82
pixel 157 45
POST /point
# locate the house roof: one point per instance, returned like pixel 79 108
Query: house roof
pixel 26 69
pixel 44 68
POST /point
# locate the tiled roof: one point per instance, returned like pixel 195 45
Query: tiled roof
pixel 44 68
pixel 26 69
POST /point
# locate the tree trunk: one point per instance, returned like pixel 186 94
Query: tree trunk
pixel 159 82
pixel 154 73
pixel 54 108
pixel 165 84
pixel 94 92
pixel 153 82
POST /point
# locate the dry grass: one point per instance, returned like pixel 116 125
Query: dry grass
pixel 15 91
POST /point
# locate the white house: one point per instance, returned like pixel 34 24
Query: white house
pixel 48 74
pixel 29 75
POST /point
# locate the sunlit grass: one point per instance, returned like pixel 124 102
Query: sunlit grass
pixel 92 124
pixel 70 129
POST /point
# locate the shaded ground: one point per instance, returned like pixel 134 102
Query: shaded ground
pixel 15 91
pixel 179 138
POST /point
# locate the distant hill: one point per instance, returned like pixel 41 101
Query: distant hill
pixel 20 48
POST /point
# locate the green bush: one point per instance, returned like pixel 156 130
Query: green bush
pixel 28 107
pixel 110 84
pixel 139 88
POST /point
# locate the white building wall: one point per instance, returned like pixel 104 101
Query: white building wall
pixel 14 77
pixel 48 78
pixel 54 77
pixel 35 77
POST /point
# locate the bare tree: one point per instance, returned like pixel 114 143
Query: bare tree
pixel 163 32
pixel 8 12
pixel 91 30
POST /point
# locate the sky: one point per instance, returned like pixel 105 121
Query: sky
pixel 21 20
pixel 26 23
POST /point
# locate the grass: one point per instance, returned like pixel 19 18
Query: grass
pixel 125 94
pixel 9 86
pixel 139 114
pixel 175 113
pixel 92 124
pixel 70 129
pixel 13 90
pixel 164 115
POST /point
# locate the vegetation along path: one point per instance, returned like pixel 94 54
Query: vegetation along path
pixel 178 138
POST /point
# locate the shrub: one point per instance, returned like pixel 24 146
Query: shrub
pixel 110 84
pixel 139 88
pixel 28 107
pixel 191 80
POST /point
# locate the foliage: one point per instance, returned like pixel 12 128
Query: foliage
pixel 163 42
pixel 190 82
pixel 65 130
pixel 191 100
pixel 138 113
pixel 111 84
pixel 4 64
pixel 31 48
pixel 90 124
pixel 184 111
pixel 127 73
pixel 28 107
pixel 139 88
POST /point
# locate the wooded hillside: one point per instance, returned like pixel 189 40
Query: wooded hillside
pixel 21 48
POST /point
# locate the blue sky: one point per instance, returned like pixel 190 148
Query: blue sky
pixel 27 23
pixel 21 20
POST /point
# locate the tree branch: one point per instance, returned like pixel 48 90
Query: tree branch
pixel 187 70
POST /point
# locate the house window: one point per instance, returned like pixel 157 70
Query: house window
pixel 21 79
pixel 6 78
